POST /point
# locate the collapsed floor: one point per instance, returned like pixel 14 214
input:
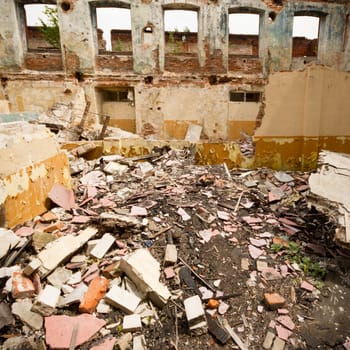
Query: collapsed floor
pixel 249 243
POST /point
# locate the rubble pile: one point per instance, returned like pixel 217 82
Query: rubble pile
pixel 158 253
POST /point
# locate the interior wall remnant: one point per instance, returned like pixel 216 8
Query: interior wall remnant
pixel 174 89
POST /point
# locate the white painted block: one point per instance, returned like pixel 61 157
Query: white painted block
pixel 47 300
pixel 103 246
pixel 122 299
pixel 170 257
pixel 132 323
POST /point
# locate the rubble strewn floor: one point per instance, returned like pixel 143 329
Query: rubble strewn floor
pixel 108 255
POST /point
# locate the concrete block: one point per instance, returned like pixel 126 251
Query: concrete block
pixel 144 271
pixel 22 287
pixel 60 249
pixel 132 323
pixel 103 246
pixel 170 257
pixel 22 309
pixel 32 267
pixel 122 299
pixel 7 237
pixel 195 315
pixel 47 300
pixel 96 291
pixel 278 344
pixel 268 340
pixel 139 343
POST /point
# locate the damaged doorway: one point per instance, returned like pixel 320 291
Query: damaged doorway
pixel 117 103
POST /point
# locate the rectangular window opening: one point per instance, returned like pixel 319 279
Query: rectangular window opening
pixel 41 27
pixel 244 34
pixel 181 31
pixel 244 96
pixel 305 36
pixel 114 30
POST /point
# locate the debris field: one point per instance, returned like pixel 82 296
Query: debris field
pixel 156 252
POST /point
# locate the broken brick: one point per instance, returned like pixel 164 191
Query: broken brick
pixel 274 300
pixel 22 287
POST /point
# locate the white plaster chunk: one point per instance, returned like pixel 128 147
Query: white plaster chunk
pixel 8 271
pixel 132 323
pixel 139 343
pixel 58 250
pixel 170 257
pixel 115 168
pixel 122 299
pixel 193 132
pixel 22 309
pixel 47 300
pixel 103 246
pixel 144 271
pixel 103 307
pixel 194 310
pixel 8 240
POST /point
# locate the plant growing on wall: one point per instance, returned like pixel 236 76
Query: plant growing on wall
pixel 119 46
pixel 49 28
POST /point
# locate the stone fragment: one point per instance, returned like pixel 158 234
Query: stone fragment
pixel 169 272
pixel 59 329
pixel 107 344
pixel 22 287
pixel 122 299
pixel 278 344
pixel 60 276
pixel 261 265
pixel 6 317
pixel 268 340
pixel 96 291
pixel 132 323
pixel 124 341
pixel 74 297
pixel 286 321
pixel 47 300
pixel 41 239
pixel 139 343
pixel 102 246
pixel 32 267
pixel 22 309
pixel 144 271
pixel 57 251
pixel 270 274
pixel 183 214
pixel 18 343
pixel 195 315
pixel 254 252
pixel 62 196
pixel 274 300
pixel 223 307
pixel 8 240
pixel 283 333
pixel 170 257
pixel 282 176
pixel 8 271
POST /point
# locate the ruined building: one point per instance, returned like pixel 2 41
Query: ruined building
pixel 290 94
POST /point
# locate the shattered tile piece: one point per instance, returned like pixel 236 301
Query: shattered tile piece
pixel 283 333
pixel 138 211
pixel 286 321
pixel 276 195
pixel 223 307
pixel 183 214
pixel 75 296
pixel 62 196
pixel 258 242
pixel 96 291
pixel 283 177
pixel 254 252
pixel 59 329
pixel 307 286
pixel 251 220
pixel 93 178
pixel 223 215
pixel 24 231
pixel 169 272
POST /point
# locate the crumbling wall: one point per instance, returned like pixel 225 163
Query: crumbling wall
pixel 176 89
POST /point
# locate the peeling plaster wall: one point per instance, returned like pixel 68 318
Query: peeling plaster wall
pixel 300 99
